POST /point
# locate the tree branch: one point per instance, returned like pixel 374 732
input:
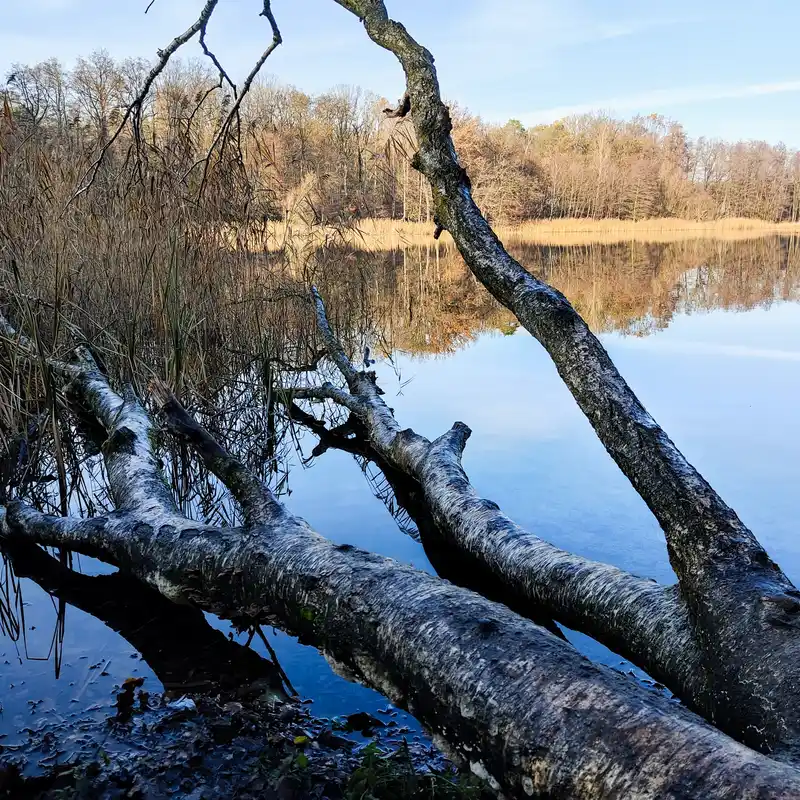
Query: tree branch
pixel 257 502
pixel 134 110
pixel 325 392
pixel 726 577
pixel 223 75
pixel 635 617
pixel 332 344
pixel 222 134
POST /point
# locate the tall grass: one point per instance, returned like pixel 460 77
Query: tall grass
pixel 138 268
pixel 164 283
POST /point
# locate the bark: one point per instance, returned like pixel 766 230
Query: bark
pixel 451 563
pixel 519 705
pixel 743 610
pixel 638 618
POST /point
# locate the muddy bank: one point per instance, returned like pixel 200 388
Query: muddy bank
pixel 203 747
pixel 190 712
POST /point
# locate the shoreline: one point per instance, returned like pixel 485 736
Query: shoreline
pixel 210 747
pixel 380 235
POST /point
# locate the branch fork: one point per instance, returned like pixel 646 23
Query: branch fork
pixel 463 665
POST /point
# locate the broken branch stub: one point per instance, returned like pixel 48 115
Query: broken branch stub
pixel 520 706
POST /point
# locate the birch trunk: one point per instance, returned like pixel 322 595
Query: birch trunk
pixel 636 617
pixel 520 706
pixel 743 611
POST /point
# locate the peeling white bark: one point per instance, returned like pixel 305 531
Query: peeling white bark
pixel 503 693
pixel 636 617
pixel 744 612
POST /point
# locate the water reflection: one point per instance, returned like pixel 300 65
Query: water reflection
pixel 183 650
pixel 708 334
pixel 429 303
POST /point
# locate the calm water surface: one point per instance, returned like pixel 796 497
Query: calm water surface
pixel 713 354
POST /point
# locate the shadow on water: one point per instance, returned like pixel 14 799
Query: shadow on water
pixel 409 306
pixel 183 650
pixel 404 499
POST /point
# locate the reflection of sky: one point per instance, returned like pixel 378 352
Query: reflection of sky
pixel 94 659
pixel 723 384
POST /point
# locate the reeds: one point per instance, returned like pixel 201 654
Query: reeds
pixel 380 235
pixel 612 231
pixel 165 283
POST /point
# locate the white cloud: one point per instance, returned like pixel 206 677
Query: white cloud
pixel 513 34
pixel 657 99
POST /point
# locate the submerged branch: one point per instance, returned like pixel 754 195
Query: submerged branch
pixel 638 618
pixel 521 707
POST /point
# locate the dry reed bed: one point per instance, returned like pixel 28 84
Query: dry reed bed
pixel 378 235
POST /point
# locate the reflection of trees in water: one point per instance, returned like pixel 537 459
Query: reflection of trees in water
pixel 638 287
pixel 176 641
pixel 432 304
pixel 419 299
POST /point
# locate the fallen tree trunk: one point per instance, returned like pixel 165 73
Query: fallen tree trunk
pixel 407 496
pixel 517 704
pixel 646 622
pixel 743 611
pixel 726 636
pixel 638 618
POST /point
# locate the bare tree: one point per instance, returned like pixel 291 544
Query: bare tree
pixel 98 88
pixel 541 720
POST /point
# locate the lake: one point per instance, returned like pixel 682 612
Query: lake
pixel 706 332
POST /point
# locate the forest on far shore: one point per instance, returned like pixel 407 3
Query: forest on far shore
pixel 339 153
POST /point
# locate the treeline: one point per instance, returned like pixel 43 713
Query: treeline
pixel 335 155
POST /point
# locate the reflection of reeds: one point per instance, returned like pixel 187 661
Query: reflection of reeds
pixel 383 491
pixel 14 627
pixel 11 608
pixel 637 287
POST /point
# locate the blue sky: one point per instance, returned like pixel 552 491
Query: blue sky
pixel 724 69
